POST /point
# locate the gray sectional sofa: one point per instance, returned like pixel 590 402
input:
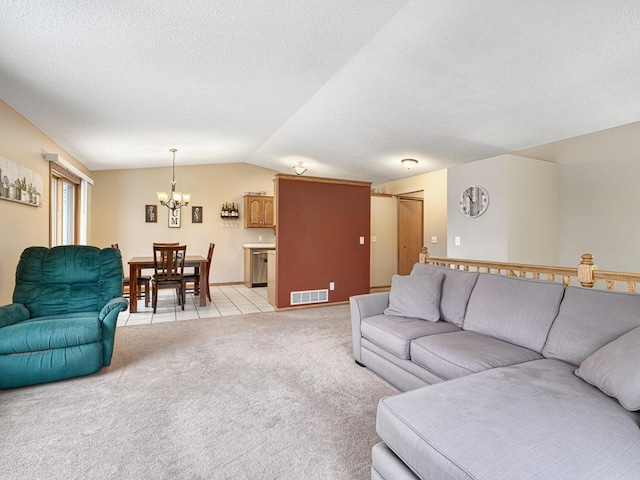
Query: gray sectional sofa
pixel 503 378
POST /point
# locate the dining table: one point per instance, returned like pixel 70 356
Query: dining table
pixel 137 264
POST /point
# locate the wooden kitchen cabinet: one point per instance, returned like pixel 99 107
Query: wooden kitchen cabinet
pixel 258 211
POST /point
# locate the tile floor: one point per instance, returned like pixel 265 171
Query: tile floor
pixel 226 300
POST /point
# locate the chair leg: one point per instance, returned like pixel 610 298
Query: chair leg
pixel 155 298
pixel 208 292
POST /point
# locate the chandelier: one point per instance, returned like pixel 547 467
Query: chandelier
pixel 174 200
pixel 299 168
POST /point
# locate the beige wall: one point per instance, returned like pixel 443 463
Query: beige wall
pixel 484 237
pixel 434 186
pixel 599 214
pixel 521 221
pixel 24 226
pixel 384 251
pixel 118 212
pixel 533 211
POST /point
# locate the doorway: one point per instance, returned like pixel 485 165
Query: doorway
pixel 410 230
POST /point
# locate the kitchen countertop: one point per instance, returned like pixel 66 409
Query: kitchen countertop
pixel 266 246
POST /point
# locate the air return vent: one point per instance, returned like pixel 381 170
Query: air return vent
pixel 309 296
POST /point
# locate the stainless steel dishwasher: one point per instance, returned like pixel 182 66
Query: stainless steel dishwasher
pixel 259 268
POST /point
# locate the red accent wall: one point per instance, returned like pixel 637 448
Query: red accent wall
pixel 318 230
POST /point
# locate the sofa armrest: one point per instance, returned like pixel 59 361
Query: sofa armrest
pixel 370 304
pixel 109 318
pixel 363 306
pixel 13 313
pixel 119 303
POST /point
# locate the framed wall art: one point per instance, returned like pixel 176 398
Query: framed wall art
pixel 19 184
pixel 151 213
pixel 196 214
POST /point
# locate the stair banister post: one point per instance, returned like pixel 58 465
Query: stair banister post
pixel 585 271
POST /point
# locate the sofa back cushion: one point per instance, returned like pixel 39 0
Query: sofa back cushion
pixel 415 296
pixel 516 310
pixel 67 279
pixel 588 320
pixel 614 369
pixel 456 289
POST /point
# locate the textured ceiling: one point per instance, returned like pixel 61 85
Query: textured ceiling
pixel 348 87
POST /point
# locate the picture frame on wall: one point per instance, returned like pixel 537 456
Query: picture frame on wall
pixel 196 214
pixel 19 184
pixel 151 213
pixel 174 218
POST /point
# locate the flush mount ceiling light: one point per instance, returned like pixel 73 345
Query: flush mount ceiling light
pixel 299 168
pixel 173 200
pixel 409 163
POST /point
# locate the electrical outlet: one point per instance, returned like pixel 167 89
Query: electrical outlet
pixel 361 240
pixel 456 241
pixel 259 238
pixel 434 239
pixel 332 286
pixel 374 239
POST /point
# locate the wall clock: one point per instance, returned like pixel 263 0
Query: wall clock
pixel 474 201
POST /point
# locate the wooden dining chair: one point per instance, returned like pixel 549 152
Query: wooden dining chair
pixel 143 281
pixel 169 271
pixel 194 278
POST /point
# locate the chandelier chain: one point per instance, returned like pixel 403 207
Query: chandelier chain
pixel 173 200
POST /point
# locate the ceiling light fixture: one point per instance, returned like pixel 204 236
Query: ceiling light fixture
pixel 173 200
pixel 299 168
pixel 409 163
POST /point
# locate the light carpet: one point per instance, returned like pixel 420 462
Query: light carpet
pixel 262 396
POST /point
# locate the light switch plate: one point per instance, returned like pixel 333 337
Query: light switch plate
pixel 434 239
pixel 374 239
pixel 361 240
pixel 456 241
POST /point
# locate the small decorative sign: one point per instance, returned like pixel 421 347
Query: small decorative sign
pixel 174 218
pixel 19 184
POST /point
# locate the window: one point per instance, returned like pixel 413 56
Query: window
pixel 65 195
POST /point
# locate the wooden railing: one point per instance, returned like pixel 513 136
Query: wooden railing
pixel 585 274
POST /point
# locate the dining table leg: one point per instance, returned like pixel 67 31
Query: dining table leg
pixel 133 288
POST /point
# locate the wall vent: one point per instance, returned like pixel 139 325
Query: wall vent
pixel 309 296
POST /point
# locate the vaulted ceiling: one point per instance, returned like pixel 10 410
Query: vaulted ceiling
pixel 348 87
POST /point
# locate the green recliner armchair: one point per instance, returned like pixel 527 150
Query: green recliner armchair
pixel 62 321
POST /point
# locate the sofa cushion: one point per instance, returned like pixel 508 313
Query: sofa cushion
pixel 385 465
pixel 588 320
pixel 457 354
pixel 456 289
pixel 394 334
pixel 614 369
pixel 13 313
pixel 415 297
pixel 516 310
pixel 536 420
pixel 46 333
pixel 70 278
